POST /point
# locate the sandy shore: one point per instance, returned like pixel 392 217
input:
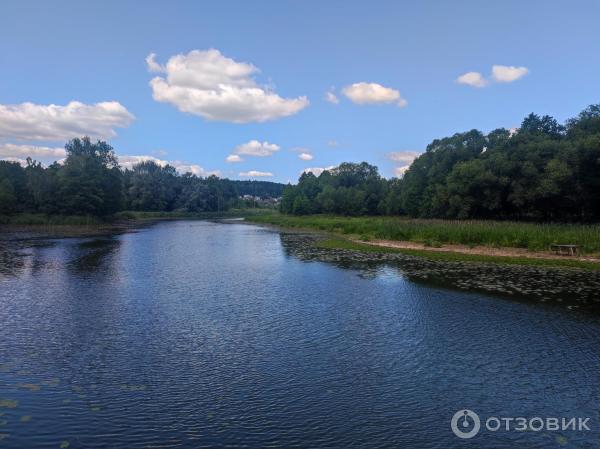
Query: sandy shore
pixel 479 250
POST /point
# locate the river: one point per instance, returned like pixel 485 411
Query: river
pixel 211 334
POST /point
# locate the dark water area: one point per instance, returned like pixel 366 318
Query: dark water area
pixel 191 334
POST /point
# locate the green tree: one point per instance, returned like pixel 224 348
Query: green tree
pixel 90 180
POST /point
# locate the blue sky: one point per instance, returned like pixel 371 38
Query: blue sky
pixel 271 65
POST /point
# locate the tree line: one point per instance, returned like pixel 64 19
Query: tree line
pixel 543 171
pixel 91 182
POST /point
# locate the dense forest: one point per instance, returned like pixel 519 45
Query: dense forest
pixel 541 171
pixel 91 182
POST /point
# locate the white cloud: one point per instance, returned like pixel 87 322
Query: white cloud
pixel 255 174
pixel 182 167
pixel 508 74
pixel 333 143
pixel 474 79
pixel 500 74
pixel 373 93
pixel 153 66
pixel 317 170
pixel 256 148
pixel 20 161
pixel 331 97
pixel 10 151
pixel 399 171
pixel 305 156
pixel 126 161
pixel 215 87
pixel 403 157
pixel 28 121
pixel 233 158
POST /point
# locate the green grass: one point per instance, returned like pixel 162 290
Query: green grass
pixel 340 243
pixel 51 220
pixel 89 220
pixel 434 233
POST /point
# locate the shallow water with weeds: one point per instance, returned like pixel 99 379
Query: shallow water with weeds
pixel 194 334
pixel 570 288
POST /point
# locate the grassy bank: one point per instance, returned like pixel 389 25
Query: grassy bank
pixel 179 215
pixel 52 220
pixel 341 243
pixel 532 236
pixel 27 219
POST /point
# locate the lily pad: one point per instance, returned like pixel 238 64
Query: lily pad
pixel 51 382
pixel 9 403
pixel 30 387
pixel 561 440
pixel 131 387
pixel 64 445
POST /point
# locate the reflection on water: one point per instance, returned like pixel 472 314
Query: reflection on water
pixel 94 255
pixel 568 288
pixel 22 256
pixel 196 334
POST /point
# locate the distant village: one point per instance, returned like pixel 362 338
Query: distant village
pixel 260 202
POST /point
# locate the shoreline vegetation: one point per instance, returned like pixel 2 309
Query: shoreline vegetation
pixel 479 241
pixel 27 219
pixel 450 240
pixel 60 226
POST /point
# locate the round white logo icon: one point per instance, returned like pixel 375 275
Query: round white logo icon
pixel 465 424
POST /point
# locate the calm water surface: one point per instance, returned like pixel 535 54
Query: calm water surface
pixel 198 334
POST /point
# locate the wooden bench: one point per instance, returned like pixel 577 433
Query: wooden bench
pixel 565 250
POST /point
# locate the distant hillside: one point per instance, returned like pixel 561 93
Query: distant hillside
pixel 259 188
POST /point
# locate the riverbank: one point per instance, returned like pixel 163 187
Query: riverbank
pixel 476 241
pixel 60 226
pixel 28 219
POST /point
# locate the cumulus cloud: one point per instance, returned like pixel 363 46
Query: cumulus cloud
pixel 373 93
pixel 127 161
pixel 317 170
pixel 256 148
pixel 233 158
pixel 474 79
pixel 28 121
pixel 508 74
pixel 399 171
pixel 403 157
pixel 331 97
pixel 305 156
pixel 255 174
pixel 500 74
pixel 10 151
pixel 212 86
pixel 20 161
